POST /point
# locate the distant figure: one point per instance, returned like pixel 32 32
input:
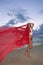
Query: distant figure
pixel 29 47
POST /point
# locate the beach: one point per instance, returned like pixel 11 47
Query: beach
pixel 17 57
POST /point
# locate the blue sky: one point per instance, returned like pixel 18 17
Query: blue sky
pixel 34 9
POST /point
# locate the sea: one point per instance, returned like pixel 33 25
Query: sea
pixel 37 40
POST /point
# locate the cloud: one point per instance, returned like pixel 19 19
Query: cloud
pixel 10 22
pixel 22 17
pixel 39 31
pixel 41 12
pixel 19 15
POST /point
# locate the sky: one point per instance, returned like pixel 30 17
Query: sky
pixel 34 10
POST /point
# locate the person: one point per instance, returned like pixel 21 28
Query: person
pixel 12 38
pixel 29 46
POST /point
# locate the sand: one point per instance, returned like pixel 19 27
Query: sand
pixel 17 57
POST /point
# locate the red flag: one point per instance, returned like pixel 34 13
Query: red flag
pixel 12 38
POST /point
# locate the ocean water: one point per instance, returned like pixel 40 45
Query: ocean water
pixel 37 40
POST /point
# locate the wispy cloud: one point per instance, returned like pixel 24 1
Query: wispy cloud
pixel 19 15
pixel 10 22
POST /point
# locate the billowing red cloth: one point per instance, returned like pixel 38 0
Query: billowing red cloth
pixel 12 38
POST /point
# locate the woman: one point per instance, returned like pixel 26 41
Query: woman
pixel 12 38
pixel 29 47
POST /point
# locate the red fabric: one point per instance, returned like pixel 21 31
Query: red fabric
pixel 12 38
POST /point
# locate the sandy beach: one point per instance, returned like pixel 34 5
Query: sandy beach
pixel 17 57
